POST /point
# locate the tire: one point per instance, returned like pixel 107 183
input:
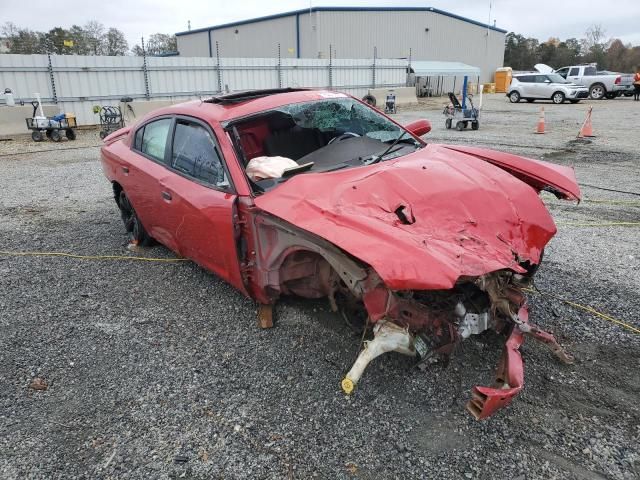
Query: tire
pixel 132 223
pixel 103 134
pixel 597 91
pixel 610 95
pixel 557 98
pixel 475 125
pixel 574 101
pixel 447 123
pixel 369 99
pixel 55 135
pixel 460 126
pixel 36 136
pixel 514 97
pixel 70 133
pixel 531 100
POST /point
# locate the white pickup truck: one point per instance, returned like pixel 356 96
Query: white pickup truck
pixel 600 85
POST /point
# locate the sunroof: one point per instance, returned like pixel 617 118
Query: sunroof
pixel 237 97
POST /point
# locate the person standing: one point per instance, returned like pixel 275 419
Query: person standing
pixel 636 85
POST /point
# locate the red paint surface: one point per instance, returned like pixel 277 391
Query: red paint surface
pixel 470 216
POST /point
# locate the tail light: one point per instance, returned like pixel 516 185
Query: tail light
pixel 618 80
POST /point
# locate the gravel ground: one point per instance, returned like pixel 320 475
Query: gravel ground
pixel 157 370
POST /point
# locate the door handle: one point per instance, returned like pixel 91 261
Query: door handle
pixel 125 170
pixel 166 196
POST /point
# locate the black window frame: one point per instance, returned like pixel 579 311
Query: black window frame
pixel 167 162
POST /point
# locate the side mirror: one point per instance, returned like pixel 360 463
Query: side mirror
pixel 419 127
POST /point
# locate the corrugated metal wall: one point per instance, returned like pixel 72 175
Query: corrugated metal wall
pixel 84 81
pixel 429 35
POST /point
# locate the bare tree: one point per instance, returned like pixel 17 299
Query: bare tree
pixel 115 43
pixel 95 37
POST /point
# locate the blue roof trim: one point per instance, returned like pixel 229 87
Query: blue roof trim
pixel 343 9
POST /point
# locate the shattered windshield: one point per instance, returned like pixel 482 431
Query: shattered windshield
pixel 342 114
pixel 325 135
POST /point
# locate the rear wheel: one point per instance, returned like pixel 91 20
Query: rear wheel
pixel 70 133
pixel 447 123
pixel 597 91
pixel 558 98
pixel 131 221
pixel 475 125
pixel 460 126
pixel 36 136
pixel 514 97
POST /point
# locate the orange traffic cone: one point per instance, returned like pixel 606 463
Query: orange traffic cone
pixel 540 128
pixel 586 130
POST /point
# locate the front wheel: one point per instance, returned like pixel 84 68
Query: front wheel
pixel 447 123
pixel 132 223
pixel 460 126
pixel 475 125
pixel 70 134
pixel 597 91
pixel 558 98
pixel 514 97
pixel 36 136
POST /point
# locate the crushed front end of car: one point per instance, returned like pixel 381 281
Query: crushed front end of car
pixel 426 252
pixel 430 324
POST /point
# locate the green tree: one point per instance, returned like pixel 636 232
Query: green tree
pixel 157 44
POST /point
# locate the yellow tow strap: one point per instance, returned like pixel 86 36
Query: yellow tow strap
pixel 586 308
pixel 92 257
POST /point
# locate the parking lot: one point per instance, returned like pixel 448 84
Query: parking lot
pixel 158 369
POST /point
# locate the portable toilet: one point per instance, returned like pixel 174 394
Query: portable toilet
pixel 503 79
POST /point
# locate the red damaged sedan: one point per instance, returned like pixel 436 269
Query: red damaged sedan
pixel 316 194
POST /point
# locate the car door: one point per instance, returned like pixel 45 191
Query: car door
pixel 525 86
pixel 574 75
pixel 200 200
pixel 148 163
pixel 542 86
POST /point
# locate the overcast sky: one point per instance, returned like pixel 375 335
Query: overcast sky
pixel 536 18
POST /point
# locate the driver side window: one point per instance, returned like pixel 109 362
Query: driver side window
pixel 563 72
pixel 196 154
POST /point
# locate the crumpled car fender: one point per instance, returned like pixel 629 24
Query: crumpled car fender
pixel 541 175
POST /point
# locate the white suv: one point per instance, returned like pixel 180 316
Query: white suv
pixel 550 86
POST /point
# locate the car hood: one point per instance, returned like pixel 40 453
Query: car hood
pixel 424 220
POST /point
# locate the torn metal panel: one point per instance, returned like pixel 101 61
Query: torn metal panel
pixel 460 217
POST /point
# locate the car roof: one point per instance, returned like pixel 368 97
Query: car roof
pixel 226 107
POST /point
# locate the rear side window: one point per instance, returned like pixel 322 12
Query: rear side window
pixel 590 71
pixel 575 71
pixel 195 154
pixel 526 78
pixel 137 144
pixel 540 78
pixel 154 138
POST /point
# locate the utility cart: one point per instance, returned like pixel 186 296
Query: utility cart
pixel 110 119
pixel 52 127
pixel 461 114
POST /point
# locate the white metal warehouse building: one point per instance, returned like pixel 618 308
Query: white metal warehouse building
pixel 421 33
